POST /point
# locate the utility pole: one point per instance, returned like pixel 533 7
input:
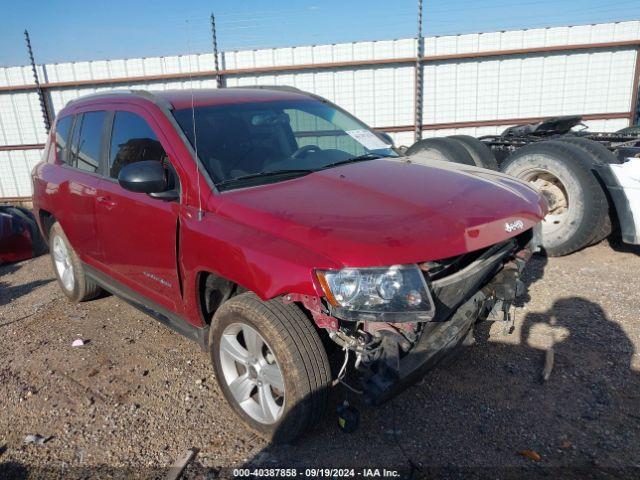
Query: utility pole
pixel 44 106
pixel 417 134
pixel 214 37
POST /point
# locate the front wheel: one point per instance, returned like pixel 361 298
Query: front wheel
pixel 270 365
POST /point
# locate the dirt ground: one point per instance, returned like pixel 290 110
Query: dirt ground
pixel 138 395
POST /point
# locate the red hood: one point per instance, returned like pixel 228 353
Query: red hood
pixel 383 212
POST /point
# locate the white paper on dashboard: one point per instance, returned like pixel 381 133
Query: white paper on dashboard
pixel 367 139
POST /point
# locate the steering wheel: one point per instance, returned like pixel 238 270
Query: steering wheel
pixel 302 151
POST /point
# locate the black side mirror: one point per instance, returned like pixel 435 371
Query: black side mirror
pixel 147 176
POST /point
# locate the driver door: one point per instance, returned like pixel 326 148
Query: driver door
pixel 137 232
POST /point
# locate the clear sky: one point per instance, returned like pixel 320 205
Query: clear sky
pixel 86 29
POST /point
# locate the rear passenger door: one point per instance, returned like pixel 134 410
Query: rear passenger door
pixel 137 232
pixel 81 160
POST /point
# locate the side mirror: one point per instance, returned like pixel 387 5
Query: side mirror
pixel 147 176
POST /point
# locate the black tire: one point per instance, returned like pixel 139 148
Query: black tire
pixel 587 203
pixel 480 153
pixel 599 155
pixel 440 149
pixel 83 288
pixel 298 351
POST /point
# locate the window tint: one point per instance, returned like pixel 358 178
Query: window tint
pixel 62 137
pixel 87 139
pixel 132 140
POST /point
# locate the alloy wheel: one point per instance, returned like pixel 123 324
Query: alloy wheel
pixel 252 373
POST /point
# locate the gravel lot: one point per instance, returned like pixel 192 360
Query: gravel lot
pixel 137 395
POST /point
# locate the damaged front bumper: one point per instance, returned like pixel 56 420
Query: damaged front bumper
pixel 391 356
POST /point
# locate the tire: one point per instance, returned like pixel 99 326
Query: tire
pixel 563 176
pixel 599 155
pixel 296 350
pixel 80 288
pixel 441 149
pixel 480 153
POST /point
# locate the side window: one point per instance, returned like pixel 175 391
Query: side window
pixel 87 141
pixel 63 126
pixel 132 140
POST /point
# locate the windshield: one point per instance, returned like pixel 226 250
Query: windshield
pixel 253 143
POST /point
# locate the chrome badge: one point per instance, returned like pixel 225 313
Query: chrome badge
pixel 513 226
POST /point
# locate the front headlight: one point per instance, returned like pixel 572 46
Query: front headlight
pixel 397 293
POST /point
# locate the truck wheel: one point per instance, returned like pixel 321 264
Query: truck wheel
pixel 442 149
pixel 480 153
pixel 270 365
pixel 576 201
pixel 598 154
pixel 68 268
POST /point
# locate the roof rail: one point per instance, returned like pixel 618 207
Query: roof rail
pixel 161 102
pixel 284 88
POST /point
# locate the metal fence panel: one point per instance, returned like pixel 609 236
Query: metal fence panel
pixel 596 81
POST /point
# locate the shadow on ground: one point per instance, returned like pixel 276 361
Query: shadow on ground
pixel 486 413
pixel 8 293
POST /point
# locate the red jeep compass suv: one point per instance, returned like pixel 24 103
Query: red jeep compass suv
pixel 260 222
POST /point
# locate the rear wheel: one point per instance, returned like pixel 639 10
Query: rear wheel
pixel 441 149
pixel 576 201
pixel 271 366
pixel 68 268
pixel 481 154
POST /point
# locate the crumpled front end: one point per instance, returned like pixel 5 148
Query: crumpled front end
pixel 464 289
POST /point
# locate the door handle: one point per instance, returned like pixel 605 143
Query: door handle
pixel 107 202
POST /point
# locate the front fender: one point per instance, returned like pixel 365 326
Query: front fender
pixel 265 264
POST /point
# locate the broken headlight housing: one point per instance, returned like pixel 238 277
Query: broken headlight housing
pixel 390 294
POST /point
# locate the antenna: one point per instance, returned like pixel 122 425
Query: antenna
pixel 193 122
pixel 46 114
pixel 215 51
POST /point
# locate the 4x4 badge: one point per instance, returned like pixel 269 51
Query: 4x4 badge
pixel 513 226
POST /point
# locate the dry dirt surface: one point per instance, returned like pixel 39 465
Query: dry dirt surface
pixel 136 396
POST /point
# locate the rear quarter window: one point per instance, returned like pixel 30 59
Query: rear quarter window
pixel 87 141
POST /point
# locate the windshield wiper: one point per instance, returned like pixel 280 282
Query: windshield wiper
pixel 267 174
pixel 359 158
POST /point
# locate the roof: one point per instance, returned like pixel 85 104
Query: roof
pixel 179 99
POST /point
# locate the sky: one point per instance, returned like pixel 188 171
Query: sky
pixel 76 30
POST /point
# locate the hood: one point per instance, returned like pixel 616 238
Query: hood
pixel 385 212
